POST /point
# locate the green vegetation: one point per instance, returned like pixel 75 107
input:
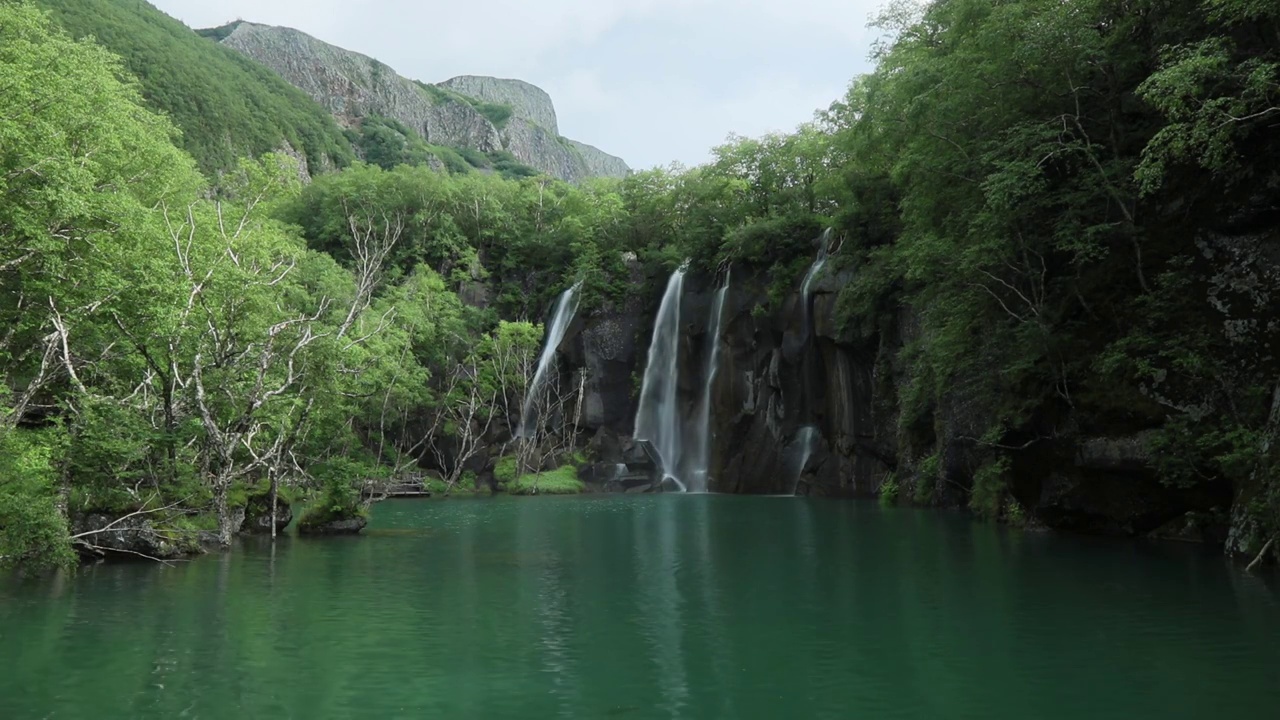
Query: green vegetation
pixel 387 143
pixel 466 485
pixel 927 478
pixel 506 165
pixel 227 106
pixel 1049 188
pixel 497 113
pixel 194 344
pixel 440 95
pixel 561 481
pixel 505 471
pixel 220 33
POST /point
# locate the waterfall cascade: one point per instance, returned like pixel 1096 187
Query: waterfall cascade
pixel 561 316
pixel 807 437
pixel 658 417
pixel 700 460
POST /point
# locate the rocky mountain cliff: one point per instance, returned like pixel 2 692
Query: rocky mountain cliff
pixel 353 86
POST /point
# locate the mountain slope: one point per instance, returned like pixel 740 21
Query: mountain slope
pixel 227 105
pixel 485 114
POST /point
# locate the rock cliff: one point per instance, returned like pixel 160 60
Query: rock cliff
pixel 352 86
pixel 777 379
pixel 526 101
pixel 598 162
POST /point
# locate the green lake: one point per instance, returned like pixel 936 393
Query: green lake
pixel 650 607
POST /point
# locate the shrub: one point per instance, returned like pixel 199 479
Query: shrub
pixel 505 471
pixel 474 157
pixel 889 490
pixel 453 162
pixel 989 485
pixel 509 167
pixel 496 113
pixel 927 480
pixel 1015 514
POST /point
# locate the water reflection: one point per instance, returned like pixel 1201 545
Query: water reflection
pixel 671 607
pixel 659 603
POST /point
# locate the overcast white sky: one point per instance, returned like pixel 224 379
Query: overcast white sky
pixel 653 81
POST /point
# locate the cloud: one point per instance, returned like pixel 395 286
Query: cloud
pixel 650 80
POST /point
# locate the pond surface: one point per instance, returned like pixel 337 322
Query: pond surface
pixel 650 607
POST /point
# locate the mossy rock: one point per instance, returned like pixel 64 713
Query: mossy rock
pixel 257 515
pixel 324 520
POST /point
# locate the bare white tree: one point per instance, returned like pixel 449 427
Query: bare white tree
pixel 463 419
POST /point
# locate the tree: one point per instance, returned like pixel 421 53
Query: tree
pixel 84 163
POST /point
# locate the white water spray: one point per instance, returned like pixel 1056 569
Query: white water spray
pixel 566 307
pixel 658 417
pixel 802 450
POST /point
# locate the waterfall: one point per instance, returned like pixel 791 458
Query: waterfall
pixel 806 287
pixel 802 450
pixel 561 316
pixel 701 457
pixel 658 417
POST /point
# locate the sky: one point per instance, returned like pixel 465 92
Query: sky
pixel 652 81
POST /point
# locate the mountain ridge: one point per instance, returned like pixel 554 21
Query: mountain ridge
pixel 468 111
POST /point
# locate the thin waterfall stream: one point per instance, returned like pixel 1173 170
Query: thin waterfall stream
pixel 806 287
pixel 561 317
pixel 802 450
pixel 699 465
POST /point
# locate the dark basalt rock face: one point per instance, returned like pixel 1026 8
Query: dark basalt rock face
pixel 772 382
pixel 610 344
pixel 780 375
pixel 775 380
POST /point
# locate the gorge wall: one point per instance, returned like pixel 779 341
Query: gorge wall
pixel 352 86
pixel 776 379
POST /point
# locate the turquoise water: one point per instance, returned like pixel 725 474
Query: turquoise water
pixel 650 607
